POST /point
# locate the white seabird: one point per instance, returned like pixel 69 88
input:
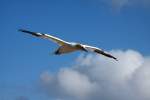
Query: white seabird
pixel 67 47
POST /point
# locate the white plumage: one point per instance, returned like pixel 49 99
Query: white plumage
pixel 67 47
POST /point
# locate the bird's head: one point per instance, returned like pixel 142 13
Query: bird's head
pixel 80 46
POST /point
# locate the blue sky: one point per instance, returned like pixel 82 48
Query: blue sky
pixel 23 57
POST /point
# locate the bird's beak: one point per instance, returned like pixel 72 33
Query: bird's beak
pixel 84 49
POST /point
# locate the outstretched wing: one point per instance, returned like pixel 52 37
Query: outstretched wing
pixel 46 36
pixel 99 51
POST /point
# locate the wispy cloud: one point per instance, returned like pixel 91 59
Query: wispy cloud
pixel 119 4
pixel 122 3
pixel 93 77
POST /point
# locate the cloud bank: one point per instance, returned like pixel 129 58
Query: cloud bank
pixel 94 77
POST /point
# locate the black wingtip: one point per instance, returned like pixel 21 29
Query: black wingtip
pixel 116 59
pixel 32 33
pixel 26 31
pixel 21 30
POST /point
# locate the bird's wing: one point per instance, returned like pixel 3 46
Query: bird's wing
pixel 46 36
pixel 99 51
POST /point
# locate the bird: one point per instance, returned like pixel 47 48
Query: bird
pixel 68 47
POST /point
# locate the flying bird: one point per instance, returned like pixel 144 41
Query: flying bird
pixel 67 47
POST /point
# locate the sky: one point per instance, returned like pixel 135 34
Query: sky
pixel 29 70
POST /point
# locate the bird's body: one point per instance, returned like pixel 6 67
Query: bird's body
pixel 67 47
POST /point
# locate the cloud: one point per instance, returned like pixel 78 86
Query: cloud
pixel 119 4
pixel 80 88
pixel 93 77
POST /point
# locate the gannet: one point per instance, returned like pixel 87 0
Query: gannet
pixel 67 47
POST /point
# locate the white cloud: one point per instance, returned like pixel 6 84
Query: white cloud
pixel 74 83
pixel 94 77
pixel 141 80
